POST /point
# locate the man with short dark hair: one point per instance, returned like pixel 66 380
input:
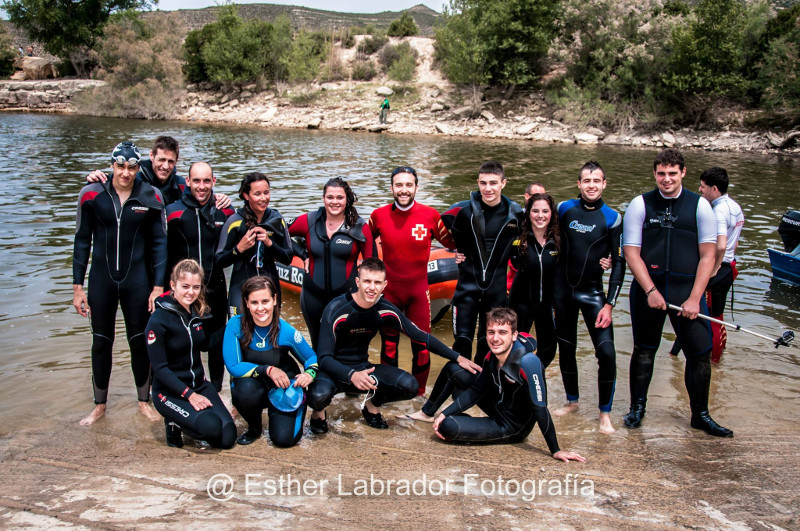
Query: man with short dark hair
pixel 121 224
pixel 510 389
pixel 730 219
pixel 669 240
pixel 405 230
pixel 194 226
pixel 349 324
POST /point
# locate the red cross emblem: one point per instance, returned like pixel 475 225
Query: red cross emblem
pixel 419 232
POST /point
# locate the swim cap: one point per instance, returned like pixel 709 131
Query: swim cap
pixel 287 400
pixel 126 152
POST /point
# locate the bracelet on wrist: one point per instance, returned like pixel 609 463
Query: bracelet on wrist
pixel 651 290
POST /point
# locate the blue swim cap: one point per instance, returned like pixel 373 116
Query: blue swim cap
pixel 289 399
pixel 126 152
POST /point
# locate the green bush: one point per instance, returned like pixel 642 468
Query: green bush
pixel 372 44
pixel 302 62
pixel 403 27
pixel 779 75
pixel 7 54
pixel 403 68
pixel 390 54
pixel 239 50
pixel 194 66
pixel 363 70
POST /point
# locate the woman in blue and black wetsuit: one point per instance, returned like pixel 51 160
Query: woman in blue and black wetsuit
pixel 261 353
pixel 187 401
pixel 252 239
pixel 334 237
pixel 535 259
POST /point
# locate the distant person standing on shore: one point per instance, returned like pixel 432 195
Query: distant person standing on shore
pixel 384 110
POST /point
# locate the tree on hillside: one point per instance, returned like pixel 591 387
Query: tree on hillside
pixel 7 54
pixel 512 37
pixel 403 27
pixel 67 29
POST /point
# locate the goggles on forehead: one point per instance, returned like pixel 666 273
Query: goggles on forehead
pixel 119 159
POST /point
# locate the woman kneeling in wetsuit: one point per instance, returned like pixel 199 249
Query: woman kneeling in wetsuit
pixel 261 353
pixel 175 337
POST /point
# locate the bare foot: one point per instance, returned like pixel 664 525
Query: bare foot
pixel 605 423
pixel 147 410
pixel 419 415
pixel 233 412
pixel 569 407
pixel 97 413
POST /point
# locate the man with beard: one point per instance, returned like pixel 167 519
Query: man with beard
pixel 406 229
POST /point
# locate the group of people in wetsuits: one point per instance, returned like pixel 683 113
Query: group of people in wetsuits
pixel 147 230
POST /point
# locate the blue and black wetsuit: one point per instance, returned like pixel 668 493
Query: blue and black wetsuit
pixel 193 231
pixel 532 294
pixel 257 260
pixel 485 235
pixel 345 334
pixel 174 340
pixel 172 190
pixel 128 244
pixel 514 398
pixel 250 384
pixel 589 232
pixel 332 263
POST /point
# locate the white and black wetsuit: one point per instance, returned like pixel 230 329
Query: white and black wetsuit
pixel 589 232
pixel 514 398
pixel 128 245
pixel 668 232
pixel 175 338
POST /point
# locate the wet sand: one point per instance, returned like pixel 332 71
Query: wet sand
pixel 119 473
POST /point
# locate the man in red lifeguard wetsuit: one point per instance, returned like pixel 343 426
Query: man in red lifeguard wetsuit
pixel 406 229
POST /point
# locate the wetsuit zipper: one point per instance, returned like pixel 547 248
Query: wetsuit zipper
pixel 327 252
pixel 191 352
pixel 668 217
pixel 541 272
pixel 199 239
pixel 484 267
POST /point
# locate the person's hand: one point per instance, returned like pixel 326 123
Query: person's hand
pixel 303 380
pixel 80 301
pixel 604 317
pixel 199 402
pixel 222 201
pixel 690 309
pixel 151 302
pixel 279 377
pixel 605 263
pixel 436 424
pixel 362 381
pixel 248 240
pixel 97 176
pixel 307 265
pixel 468 365
pixel 262 236
pixel 656 300
pixel 460 257
pixel 563 455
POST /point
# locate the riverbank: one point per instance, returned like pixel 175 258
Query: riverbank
pixel 420 109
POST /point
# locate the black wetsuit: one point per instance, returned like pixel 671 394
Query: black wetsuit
pixel 127 243
pixel 589 232
pixel 482 275
pixel 514 398
pixel 532 294
pixel 258 259
pixel 332 263
pixel 193 231
pixel 669 249
pixel 251 383
pixel 172 190
pixel 174 340
pixel 344 339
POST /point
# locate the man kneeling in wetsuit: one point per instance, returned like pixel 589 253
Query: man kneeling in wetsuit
pixel 511 390
pixel 349 323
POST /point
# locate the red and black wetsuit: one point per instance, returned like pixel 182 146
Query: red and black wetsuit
pixel 406 236
pixel 514 398
pixel 257 260
pixel 174 340
pixel 332 263
pixel 485 235
pixel 171 191
pixel 193 231
pixel 345 334
pixel 128 244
